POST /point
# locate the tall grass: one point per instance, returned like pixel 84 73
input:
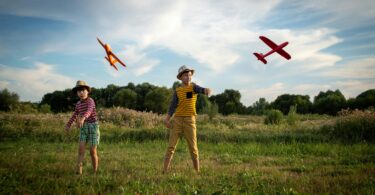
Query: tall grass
pixel 353 126
pixel 130 118
pixel 118 124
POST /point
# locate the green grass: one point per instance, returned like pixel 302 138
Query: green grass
pixel 239 154
pixel 133 167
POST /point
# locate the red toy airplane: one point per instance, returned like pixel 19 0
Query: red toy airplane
pixel 111 57
pixel 275 48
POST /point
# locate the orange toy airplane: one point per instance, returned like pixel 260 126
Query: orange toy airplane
pixel 111 57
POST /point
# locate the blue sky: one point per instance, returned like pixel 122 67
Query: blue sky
pixel 47 45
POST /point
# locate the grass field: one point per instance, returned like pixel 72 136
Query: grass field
pixel 239 154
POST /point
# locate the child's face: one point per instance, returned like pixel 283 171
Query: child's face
pixel 82 93
pixel 186 78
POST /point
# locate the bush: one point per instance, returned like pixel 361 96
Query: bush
pixel 24 107
pixel 273 117
pixel 45 108
pixel 130 118
pixel 353 126
pixel 292 117
pixel 8 100
pixel 211 110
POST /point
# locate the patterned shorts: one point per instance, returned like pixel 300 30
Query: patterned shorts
pixel 90 133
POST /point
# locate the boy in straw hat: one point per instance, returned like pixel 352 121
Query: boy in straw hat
pixel 86 119
pixel 183 109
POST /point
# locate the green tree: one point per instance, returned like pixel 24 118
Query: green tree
pixel 285 101
pixel 109 94
pixel 329 102
pixel 229 102
pixel 142 90
pixel 158 100
pixel 8 100
pixel 126 98
pixel 131 86
pixel 99 96
pixel 176 84
pixel 351 103
pixel 202 102
pixel 365 99
pixel 260 107
pixel 60 101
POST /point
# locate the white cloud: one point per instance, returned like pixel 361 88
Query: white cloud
pixel 250 96
pixel 306 47
pixel 31 84
pixel 352 88
pixel 202 31
pixel 140 63
pixel 343 13
pixel 361 68
pixel 4 84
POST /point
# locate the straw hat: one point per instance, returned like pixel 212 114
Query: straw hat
pixel 184 69
pixel 81 84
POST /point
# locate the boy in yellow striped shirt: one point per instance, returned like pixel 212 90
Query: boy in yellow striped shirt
pixel 183 109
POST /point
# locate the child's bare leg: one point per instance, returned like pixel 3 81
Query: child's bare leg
pixel 81 156
pixel 94 158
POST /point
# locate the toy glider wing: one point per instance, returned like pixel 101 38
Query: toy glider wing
pixel 118 60
pixel 275 47
pixel 101 43
pixel 270 43
pixel 283 53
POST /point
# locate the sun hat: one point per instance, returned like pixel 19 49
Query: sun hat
pixel 184 69
pixel 81 84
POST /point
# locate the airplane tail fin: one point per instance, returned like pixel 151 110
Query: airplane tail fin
pixel 111 63
pixel 260 57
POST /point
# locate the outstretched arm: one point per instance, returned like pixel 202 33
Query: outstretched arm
pixel 199 89
pixel 72 119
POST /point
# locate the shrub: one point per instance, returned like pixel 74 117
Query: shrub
pixel 353 126
pixel 24 107
pixel 8 100
pixel 211 109
pixel 45 108
pixel 130 118
pixel 273 117
pixel 292 117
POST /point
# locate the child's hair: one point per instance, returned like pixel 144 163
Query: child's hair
pixel 81 89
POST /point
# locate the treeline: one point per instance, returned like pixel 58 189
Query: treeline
pixel 148 97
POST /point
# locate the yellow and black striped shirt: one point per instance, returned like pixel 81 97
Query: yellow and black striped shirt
pixel 184 100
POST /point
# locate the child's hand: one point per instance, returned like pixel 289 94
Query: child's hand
pixel 167 121
pixel 81 120
pixel 207 91
pixel 77 121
